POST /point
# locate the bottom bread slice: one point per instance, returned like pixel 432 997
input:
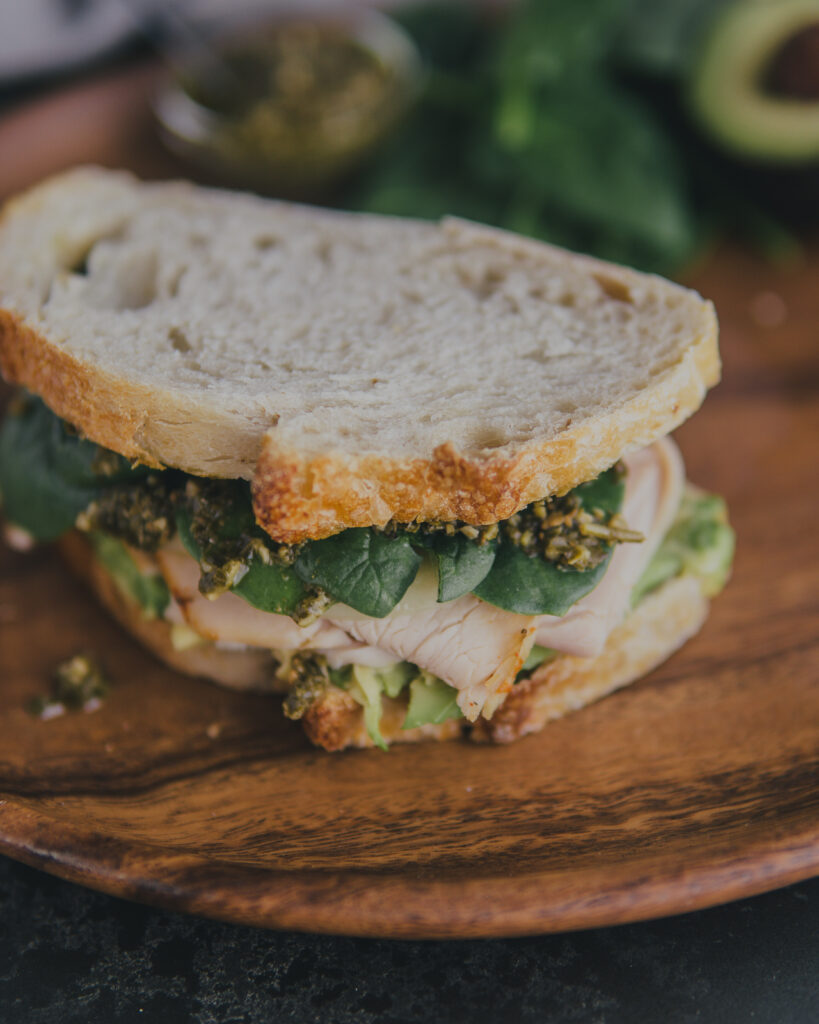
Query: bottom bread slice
pixel 247 669
pixel 650 633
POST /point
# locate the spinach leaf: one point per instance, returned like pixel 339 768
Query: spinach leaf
pixel 270 588
pixel 48 475
pixel 529 585
pixel 533 586
pixel 660 37
pixel 605 491
pixel 361 567
pixel 183 528
pixel 592 161
pixel 461 562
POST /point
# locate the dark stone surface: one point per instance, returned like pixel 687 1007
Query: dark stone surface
pixel 72 956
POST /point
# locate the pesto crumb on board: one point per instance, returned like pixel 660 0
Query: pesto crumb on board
pixel 79 684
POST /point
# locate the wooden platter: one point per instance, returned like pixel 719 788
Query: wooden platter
pixel 697 785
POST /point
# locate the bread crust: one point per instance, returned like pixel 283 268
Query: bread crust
pixel 107 410
pixel 299 497
pixel 661 623
pixel 136 421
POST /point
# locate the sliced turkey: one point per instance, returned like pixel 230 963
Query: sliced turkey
pixel 654 485
pixel 228 619
pixel 469 644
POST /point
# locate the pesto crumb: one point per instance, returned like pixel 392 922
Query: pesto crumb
pixel 79 684
pixel 309 678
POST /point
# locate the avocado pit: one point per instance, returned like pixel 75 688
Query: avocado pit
pixel 794 71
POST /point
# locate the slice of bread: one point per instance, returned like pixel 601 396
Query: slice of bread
pixel 373 367
pixel 657 627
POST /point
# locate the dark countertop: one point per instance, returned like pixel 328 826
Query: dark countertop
pixel 73 956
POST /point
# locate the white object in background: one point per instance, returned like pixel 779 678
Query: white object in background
pixel 40 36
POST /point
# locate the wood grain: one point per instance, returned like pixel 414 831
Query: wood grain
pixel 697 785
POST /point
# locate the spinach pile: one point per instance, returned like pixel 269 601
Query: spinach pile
pixel 564 121
pixel 49 477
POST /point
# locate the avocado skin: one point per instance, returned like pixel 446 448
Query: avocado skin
pixel 737 91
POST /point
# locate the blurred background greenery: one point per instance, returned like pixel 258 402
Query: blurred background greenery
pixel 574 122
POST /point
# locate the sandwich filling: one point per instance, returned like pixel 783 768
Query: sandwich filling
pixel 450 615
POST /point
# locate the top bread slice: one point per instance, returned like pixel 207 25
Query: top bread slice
pixel 356 368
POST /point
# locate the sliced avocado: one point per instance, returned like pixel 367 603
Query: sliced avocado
pixel 432 701
pixel 148 590
pixel 755 85
pixel 700 543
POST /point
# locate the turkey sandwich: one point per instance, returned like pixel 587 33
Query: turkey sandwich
pixel 412 477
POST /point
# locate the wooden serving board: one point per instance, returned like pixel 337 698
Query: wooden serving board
pixel 697 785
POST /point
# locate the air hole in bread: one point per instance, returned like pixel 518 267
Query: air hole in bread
pixel 387 313
pixel 489 437
pixel 77 257
pixel 81 269
pixel 137 280
pixel 174 282
pixel 324 250
pixel 178 340
pixel 484 286
pixel 617 290
pixel 545 356
pixel 265 242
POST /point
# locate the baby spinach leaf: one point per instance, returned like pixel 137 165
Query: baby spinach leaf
pixel 532 586
pixel 660 37
pixel 183 528
pixel 270 588
pixel 605 491
pixel 462 563
pixel 48 475
pixel 361 567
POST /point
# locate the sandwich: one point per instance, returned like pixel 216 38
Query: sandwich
pixel 413 478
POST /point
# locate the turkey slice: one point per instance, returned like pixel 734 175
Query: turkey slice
pixel 654 487
pixel 228 619
pixel 471 645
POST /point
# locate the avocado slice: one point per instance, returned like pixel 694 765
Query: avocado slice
pixel 755 85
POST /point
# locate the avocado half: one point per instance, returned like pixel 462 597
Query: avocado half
pixel 755 85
